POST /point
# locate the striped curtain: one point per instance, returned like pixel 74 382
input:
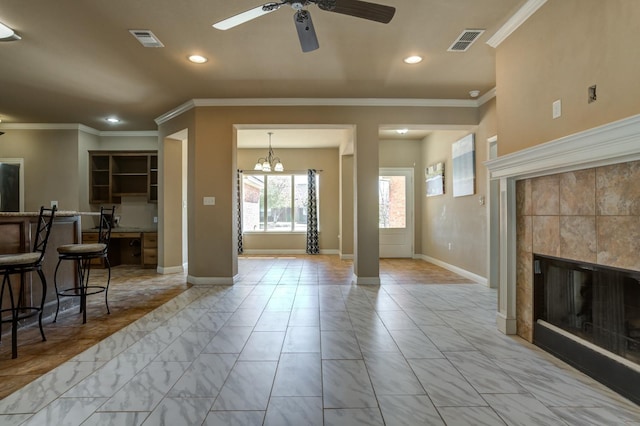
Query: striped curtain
pixel 239 210
pixel 312 216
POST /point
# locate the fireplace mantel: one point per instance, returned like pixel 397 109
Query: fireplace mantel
pixel 613 143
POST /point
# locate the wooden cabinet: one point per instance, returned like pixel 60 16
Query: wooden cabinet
pixel 115 174
pixel 150 249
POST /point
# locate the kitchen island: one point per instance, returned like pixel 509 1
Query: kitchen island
pixel 17 235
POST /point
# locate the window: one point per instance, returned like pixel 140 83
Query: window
pixel 275 203
pixel 392 201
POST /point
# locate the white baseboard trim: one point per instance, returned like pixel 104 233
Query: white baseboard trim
pixel 506 325
pixel 170 270
pixel 346 256
pixel 210 280
pixel 365 280
pixel 457 270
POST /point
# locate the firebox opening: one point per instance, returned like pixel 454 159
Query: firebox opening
pixel 598 305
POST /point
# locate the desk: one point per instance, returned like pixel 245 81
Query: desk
pixel 129 246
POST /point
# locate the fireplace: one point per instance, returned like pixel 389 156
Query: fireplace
pixel 589 316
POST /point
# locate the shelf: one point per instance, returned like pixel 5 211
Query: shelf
pixel 116 174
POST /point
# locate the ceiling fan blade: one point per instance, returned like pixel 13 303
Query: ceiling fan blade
pixel 306 32
pixel 246 16
pixel 359 9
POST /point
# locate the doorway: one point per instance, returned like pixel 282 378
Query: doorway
pixel 395 212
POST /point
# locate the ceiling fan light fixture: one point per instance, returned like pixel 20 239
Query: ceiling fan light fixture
pixel 411 60
pixel 7 34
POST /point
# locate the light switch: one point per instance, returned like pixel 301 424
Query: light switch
pixel 556 109
pixel 209 201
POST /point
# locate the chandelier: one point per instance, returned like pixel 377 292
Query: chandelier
pixel 270 162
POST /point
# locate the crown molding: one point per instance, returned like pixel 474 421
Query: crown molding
pixel 357 102
pixel 612 143
pixel 77 127
pixel 518 18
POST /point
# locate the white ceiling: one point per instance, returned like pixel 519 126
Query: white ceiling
pixel 78 63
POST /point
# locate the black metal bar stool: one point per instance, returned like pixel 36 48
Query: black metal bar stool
pixel 82 255
pixel 21 263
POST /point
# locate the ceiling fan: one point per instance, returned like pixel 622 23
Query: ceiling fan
pixel 302 17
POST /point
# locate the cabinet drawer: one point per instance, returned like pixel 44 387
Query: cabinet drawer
pixel 89 237
pixel 150 256
pixel 150 240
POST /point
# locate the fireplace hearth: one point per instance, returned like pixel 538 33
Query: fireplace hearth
pixel 589 316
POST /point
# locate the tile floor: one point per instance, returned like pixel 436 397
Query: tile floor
pixel 293 343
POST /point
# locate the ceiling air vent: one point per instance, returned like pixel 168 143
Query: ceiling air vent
pixel 146 38
pixel 465 40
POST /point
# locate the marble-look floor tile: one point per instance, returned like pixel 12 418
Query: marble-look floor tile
pixel 593 416
pixel 204 377
pixel 302 339
pixel 484 375
pixel 179 412
pixel 376 341
pixel 273 321
pixel 346 384
pixel 110 377
pixel 110 347
pixel 244 318
pixel 37 394
pixel 339 345
pixel 335 320
pixel 298 374
pixel 353 417
pixel 147 388
pixel 187 346
pixel 391 375
pixel 294 411
pixel 234 418
pixel 247 387
pixel 464 416
pixel 397 320
pixel 116 419
pixel 210 321
pixel 229 340
pixel 304 317
pixel 13 419
pixel 415 344
pixel 405 410
pixel 446 338
pixel 65 412
pixel 263 346
pixel 444 384
pixel 522 410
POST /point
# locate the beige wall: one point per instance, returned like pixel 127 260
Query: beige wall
pixel 565 47
pixel 300 160
pixel 50 166
pixel 212 248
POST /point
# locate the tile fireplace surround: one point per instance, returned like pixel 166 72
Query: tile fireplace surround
pixel 575 198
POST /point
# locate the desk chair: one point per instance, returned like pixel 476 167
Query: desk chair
pixel 21 263
pixel 82 255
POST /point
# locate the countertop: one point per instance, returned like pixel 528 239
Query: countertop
pixel 60 213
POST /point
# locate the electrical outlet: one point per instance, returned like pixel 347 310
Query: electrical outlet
pixel 209 201
pixel 54 204
pixel 155 219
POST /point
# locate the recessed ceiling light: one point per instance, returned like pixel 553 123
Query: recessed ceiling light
pixel 113 120
pixel 197 59
pixel 402 131
pixel 413 59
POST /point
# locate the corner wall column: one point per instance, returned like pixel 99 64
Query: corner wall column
pixel 506 317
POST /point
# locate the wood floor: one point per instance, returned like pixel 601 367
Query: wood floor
pixel 135 292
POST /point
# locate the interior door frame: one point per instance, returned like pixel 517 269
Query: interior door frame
pixel 410 194
pixel 19 162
